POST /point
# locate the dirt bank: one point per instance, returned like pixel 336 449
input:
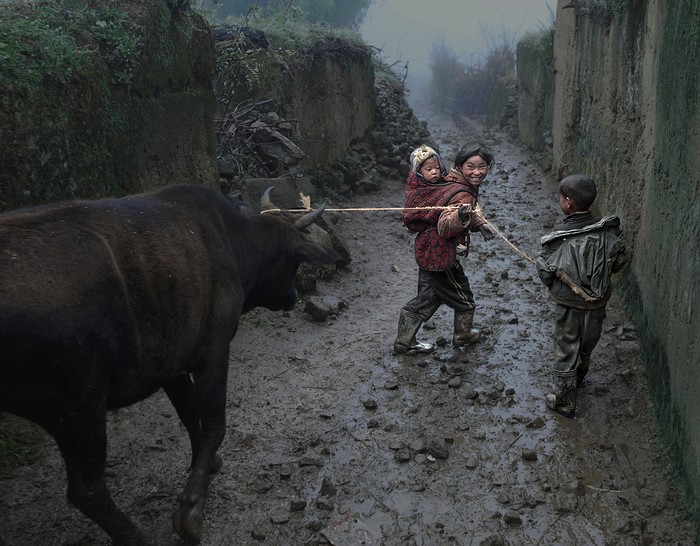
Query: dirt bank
pixel 333 438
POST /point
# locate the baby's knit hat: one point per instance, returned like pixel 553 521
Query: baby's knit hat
pixel 421 154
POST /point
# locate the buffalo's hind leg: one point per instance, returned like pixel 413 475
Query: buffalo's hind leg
pixel 82 438
pixel 210 406
pixel 180 391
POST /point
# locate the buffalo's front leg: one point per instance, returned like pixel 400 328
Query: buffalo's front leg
pixel 210 402
pixel 180 391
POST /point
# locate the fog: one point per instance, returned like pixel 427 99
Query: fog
pixel 406 30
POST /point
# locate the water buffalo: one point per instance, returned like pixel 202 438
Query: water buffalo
pixel 104 302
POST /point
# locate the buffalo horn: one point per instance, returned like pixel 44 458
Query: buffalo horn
pixel 265 203
pixel 309 218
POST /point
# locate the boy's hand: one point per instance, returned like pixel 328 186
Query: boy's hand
pixel 464 212
pixel 486 232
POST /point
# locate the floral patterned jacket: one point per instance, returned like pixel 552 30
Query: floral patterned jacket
pixel 439 231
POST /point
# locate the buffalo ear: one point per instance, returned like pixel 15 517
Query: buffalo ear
pixel 315 254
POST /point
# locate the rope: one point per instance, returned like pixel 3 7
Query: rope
pixel 560 274
pixel 511 245
pixel 387 209
pixel 383 209
pixel 369 209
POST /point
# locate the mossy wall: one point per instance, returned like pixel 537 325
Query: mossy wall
pixel 122 122
pixel 535 70
pixel 626 110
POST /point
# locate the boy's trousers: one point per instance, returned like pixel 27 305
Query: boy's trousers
pixel 576 334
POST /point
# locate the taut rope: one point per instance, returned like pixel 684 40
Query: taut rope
pixel 387 209
pixel 560 274
pixel 368 209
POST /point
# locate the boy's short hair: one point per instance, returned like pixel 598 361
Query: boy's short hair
pixel 580 188
pixel 470 150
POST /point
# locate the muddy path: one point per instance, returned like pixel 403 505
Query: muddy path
pixel 332 438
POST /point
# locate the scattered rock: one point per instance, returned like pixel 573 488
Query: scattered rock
pixel 417 445
pixel 319 309
pixel 470 392
pixel 328 489
pixel 529 455
pixel 402 456
pixel 324 503
pixel 257 534
pixel 503 498
pixel 537 422
pixel 439 451
pixel 575 487
pixel 369 403
pixel 494 540
pixel 512 518
pixel 297 505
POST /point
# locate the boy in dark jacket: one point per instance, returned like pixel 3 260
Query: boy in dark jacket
pixel 440 209
pixel 577 261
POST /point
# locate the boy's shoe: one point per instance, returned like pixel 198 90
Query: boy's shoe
pixel 581 372
pixel 563 400
pixel 580 380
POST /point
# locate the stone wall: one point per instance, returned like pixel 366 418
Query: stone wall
pixel 626 110
pixel 100 133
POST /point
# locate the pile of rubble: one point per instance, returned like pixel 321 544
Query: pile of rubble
pixel 256 143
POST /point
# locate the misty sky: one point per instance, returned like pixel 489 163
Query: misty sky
pixel 406 29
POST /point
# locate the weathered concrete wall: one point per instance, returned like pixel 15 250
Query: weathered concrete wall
pixel 94 136
pixel 334 96
pixel 626 110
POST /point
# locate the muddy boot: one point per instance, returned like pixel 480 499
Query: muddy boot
pixel 563 400
pixel 464 334
pixel 581 372
pixel 406 343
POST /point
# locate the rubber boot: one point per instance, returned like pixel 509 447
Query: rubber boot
pixel 563 400
pixel 582 371
pixel 464 334
pixel 409 324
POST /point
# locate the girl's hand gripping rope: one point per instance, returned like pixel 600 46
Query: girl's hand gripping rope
pixel 464 213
